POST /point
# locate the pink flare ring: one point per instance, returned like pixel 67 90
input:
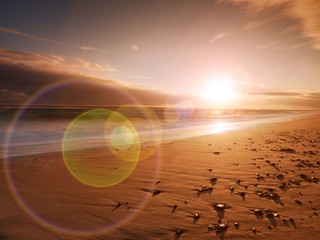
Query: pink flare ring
pixel 16 193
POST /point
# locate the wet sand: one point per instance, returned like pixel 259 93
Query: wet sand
pixel 256 183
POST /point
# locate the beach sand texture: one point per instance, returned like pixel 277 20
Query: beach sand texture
pixel 254 183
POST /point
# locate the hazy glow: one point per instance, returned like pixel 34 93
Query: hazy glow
pixel 220 127
pixel 219 90
pixel 121 137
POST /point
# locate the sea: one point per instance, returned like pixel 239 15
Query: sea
pixel 44 129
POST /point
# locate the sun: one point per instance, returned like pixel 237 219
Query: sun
pixel 219 90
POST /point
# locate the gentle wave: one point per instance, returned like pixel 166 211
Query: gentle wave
pixel 41 130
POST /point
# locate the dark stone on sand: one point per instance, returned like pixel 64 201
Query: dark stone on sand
pixel 258 212
pixel 242 194
pixel 179 232
pixel 280 177
pixel 196 216
pixel 287 150
pixel 270 215
pixel 298 202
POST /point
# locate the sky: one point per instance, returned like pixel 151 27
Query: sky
pixel 268 49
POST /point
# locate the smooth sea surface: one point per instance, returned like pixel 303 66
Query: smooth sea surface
pixel 44 129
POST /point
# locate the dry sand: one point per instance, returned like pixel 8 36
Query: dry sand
pixel 272 169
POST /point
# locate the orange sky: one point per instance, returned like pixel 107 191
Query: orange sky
pixel 269 50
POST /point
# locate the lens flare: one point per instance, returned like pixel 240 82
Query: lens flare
pixel 39 179
pixel 121 138
pixel 149 131
pixel 104 169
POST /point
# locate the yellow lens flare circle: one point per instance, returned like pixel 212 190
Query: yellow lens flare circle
pixel 85 152
pixel 122 138
pixel 148 126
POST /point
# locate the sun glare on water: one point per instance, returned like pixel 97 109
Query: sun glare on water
pixel 219 90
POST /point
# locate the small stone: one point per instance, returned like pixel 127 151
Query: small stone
pixel 196 216
pixel 258 212
pixel 219 206
pixel 236 225
pixel 270 215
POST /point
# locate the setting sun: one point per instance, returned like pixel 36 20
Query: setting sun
pixel 219 90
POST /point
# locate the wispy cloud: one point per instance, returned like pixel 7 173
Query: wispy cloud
pixel 80 63
pixel 278 94
pixel 260 22
pixel 305 12
pixel 52 62
pixel 17 95
pixel 217 37
pixel 291 99
pixel 276 45
pixel 315 95
pixel 138 77
pixel 292 28
pixel 27 35
pixel 11 31
pixel 89 48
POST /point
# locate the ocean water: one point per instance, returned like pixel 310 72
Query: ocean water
pixel 40 130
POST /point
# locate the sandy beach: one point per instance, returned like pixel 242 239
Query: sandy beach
pixel 256 183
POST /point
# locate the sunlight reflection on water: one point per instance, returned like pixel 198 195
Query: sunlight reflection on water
pixel 220 127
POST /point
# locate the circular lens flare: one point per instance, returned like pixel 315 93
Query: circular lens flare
pixel 100 169
pixel 121 138
pixel 46 191
pixel 148 129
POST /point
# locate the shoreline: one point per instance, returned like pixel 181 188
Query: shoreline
pixel 176 134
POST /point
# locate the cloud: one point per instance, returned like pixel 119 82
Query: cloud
pixel 89 48
pixel 305 12
pixel 290 29
pixel 82 64
pixel 308 12
pixel 16 96
pixel 315 95
pixel 26 35
pixel 302 100
pixel 135 47
pixel 276 45
pixel 52 62
pixel 138 77
pixel 217 37
pixel 260 22
pixel 19 82
pixel 34 37
pixel 277 93
pixel 254 24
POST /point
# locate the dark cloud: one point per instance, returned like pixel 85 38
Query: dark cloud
pixel 19 82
